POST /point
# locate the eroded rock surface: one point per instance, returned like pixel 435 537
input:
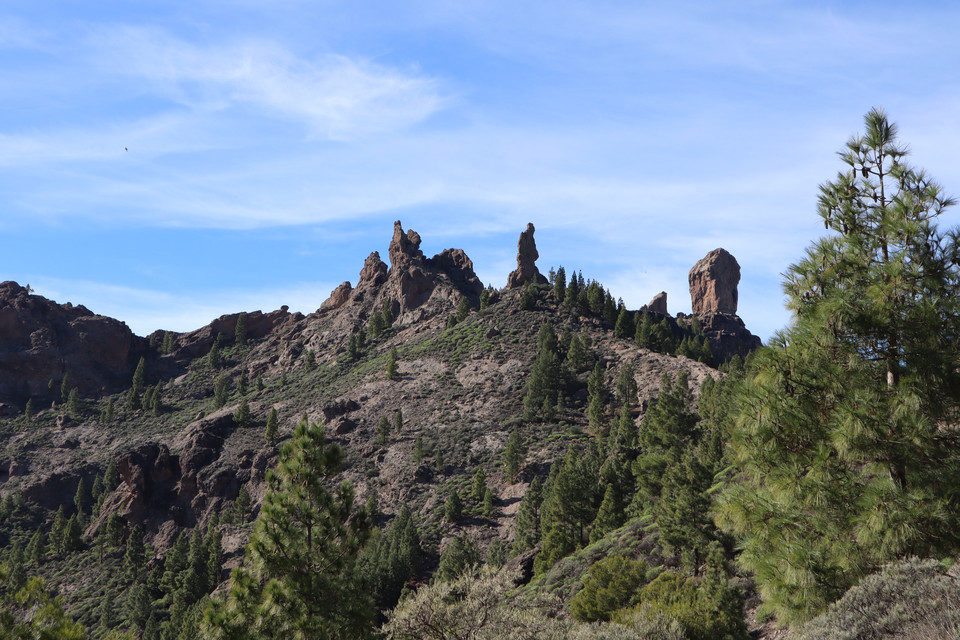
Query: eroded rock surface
pixel 527 255
pixel 713 283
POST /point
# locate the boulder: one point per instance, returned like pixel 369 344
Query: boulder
pixel 713 283
pixel 526 271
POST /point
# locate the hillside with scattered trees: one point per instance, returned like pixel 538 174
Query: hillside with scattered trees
pixel 429 457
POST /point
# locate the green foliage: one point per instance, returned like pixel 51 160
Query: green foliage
pixel 569 506
pixel 908 599
pixel 391 559
pixel 479 487
pixel 453 509
pixel 560 285
pixel 513 455
pixel 625 327
pixel 242 414
pixel 392 364
pixel 613 583
pixel 306 542
pixel 309 360
pixel 135 557
pixel 527 523
pixel 383 430
pixel 73 404
pixel 272 429
pixel 479 606
pixel 215 356
pixel 240 330
pixel 528 298
pixel 28 409
pixel 220 391
pixel 461 555
pixel 597 395
pixel 463 309
pixel 543 385
pixel 167 344
pixel 705 611
pixel 398 421
pixel 31 612
pixel 488 502
pixel 243 383
pixel 609 516
pixel 845 440
pixel 485 298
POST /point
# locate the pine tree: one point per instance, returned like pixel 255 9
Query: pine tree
pixel 259 385
pixel 398 421
pixel 463 309
pixel 459 556
pixel 65 387
pixel 135 557
pixel 569 506
pixel 383 430
pixel 479 484
pixel 242 414
pixel 485 298
pixel 513 455
pixel 560 285
pixel 243 383
pixel 139 381
pixel 80 499
pixel 167 345
pixel 220 391
pixel 28 409
pixel 57 530
pixel 306 543
pixel 488 502
pixel 37 547
pixel 214 357
pixel 597 396
pixel 271 433
pixel 72 535
pixel 453 509
pixel 846 440
pixel 527 524
pixel 73 404
pixel 543 385
pixel 392 364
pixel 240 330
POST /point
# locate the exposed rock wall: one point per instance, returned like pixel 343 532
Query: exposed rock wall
pixel 41 340
pixel 713 283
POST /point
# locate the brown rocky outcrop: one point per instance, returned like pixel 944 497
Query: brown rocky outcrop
pixel 41 340
pixel 659 304
pixel 459 268
pixel 409 281
pixel 338 297
pixel 197 343
pixel 374 272
pixel 713 294
pixel 527 255
pixel 713 283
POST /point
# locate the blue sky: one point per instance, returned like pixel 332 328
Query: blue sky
pixel 165 163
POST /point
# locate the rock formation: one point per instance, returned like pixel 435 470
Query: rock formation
pixel 713 283
pixel 713 294
pixel 41 340
pixel 338 297
pixel 659 304
pixel 526 261
pixel 374 271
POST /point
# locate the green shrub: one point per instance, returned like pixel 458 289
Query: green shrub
pixel 911 599
pixel 705 611
pixel 613 583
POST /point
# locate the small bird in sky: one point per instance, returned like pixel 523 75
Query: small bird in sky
pixel 125 149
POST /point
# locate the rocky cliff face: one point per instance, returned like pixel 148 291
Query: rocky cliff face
pixel 713 295
pixel 41 340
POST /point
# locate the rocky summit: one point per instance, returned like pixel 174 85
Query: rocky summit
pixel 178 420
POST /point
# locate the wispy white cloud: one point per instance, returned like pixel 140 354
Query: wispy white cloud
pixel 338 97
